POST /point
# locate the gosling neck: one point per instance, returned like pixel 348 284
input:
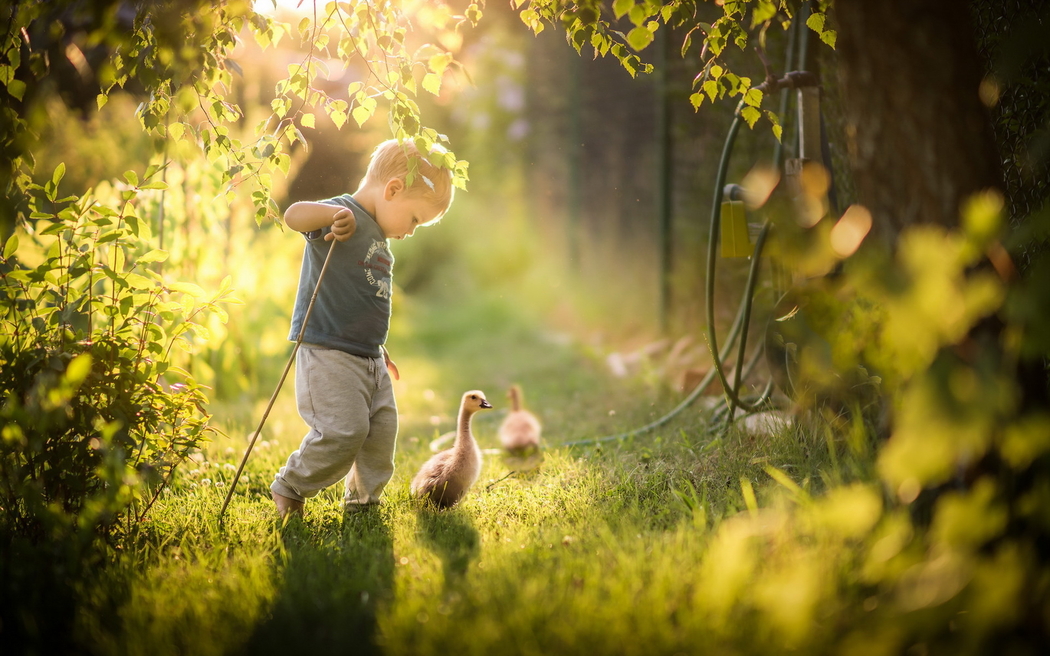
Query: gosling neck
pixel 463 434
pixel 515 399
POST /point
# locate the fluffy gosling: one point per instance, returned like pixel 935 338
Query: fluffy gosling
pixel 447 476
pixel 520 431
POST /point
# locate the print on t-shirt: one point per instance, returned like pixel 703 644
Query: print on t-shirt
pixel 377 267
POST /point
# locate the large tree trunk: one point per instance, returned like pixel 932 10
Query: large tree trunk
pixel 920 140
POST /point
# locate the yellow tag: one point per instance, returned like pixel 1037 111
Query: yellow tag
pixel 735 241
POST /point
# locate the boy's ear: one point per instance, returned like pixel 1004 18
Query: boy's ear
pixel 393 186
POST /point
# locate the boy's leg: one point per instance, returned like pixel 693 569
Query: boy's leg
pixel 375 459
pixel 332 391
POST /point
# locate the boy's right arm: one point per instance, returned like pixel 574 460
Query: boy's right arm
pixel 307 217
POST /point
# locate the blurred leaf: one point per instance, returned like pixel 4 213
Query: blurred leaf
pixel 968 520
pixel 187 288
pixel 749 495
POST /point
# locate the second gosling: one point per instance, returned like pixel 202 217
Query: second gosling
pixel 520 431
pixel 447 476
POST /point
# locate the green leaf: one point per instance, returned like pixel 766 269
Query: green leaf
pixel 11 247
pixel 621 7
pixel 101 100
pixel 638 14
pixel 639 38
pixel 764 10
pixel 155 255
pixel 78 369
pixel 21 275
pixel 60 171
pixel 132 178
pixel 438 63
pixel 751 115
pixel 711 89
pixel 137 281
pixel 16 88
pixel 815 22
pixel 778 130
pixel 361 114
pixel 432 83
pixel 696 100
pixel 753 97
pixel 308 120
pixel 187 288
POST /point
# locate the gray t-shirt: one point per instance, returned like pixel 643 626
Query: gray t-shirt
pixel 352 310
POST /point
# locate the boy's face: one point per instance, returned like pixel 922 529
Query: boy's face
pixel 398 213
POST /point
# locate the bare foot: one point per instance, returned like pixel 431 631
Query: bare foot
pixel 286 506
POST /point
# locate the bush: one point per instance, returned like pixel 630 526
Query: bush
pixel 95 415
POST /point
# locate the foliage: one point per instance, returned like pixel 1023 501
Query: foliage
pixel 179 57
pixel 742 23
pixel 96 418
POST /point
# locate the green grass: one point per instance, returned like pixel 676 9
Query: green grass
pixel 599 550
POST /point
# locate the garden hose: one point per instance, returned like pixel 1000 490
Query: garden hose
pixel 741 324
pixel 280 383
pixel 743 318
pixel 697 391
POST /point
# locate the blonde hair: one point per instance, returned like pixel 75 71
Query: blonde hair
pixel 390 160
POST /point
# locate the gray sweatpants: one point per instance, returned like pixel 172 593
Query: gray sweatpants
pixel 348 403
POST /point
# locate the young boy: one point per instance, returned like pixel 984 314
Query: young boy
pixel 342 387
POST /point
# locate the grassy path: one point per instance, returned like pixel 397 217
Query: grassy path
pixel 599 551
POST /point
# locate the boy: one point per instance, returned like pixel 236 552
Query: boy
pixel 342 389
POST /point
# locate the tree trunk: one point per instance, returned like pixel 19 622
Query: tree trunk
pixel 920 140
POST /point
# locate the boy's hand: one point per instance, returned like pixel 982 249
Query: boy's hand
pixel 343 225
pixel 390 366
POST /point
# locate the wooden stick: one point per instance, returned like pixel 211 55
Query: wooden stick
pixel 280 383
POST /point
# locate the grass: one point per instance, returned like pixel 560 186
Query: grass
pixel 599 550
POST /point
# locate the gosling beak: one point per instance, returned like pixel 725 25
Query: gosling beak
pixel 486 404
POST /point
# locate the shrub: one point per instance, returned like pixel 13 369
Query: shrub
pixel 96 417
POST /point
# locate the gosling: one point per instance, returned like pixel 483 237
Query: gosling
pixel 447 476
pixel 520 431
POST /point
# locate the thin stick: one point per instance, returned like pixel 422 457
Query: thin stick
pixel 500 480
pixel 280 383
